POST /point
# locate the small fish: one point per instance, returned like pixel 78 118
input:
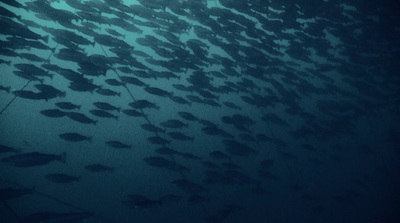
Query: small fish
pixel 74 137
pixel 34 159
pixel 61 178
pixel 8 149
pixel 68 105
pixel 57 217
pixel 118 145
pixel 98 168
pixel 106 106
pixel 6 89
pixel 10 193
pixel 103 114
pixel 180 136
pixel 53 113
pixel 79 117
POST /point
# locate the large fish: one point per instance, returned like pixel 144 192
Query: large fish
pixel 34 159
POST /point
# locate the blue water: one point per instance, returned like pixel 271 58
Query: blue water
pixel 325 72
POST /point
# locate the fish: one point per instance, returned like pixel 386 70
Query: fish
pixel 79 117
pixel 107 92
pixel 106 106
pixel 139 202
pixel 34 159
pixel 158 161
pixel 174 123
pixel 97 167
pixel 180 136
pixel 53 113
pixel 8 149
pixel 187 116
pixel 66 217
pixel 103 113
pixel 61 178
pixel 118 145
pixel 67 105
pixel 152 128
pixel 133 113
pixel 9 193
pixel 144 104
pixel 74 137
pixel 158 140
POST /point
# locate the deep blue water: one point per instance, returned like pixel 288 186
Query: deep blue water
pixel 289 111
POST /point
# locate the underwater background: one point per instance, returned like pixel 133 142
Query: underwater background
pixel 199 111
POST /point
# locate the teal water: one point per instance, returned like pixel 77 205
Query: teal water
pixel 298 119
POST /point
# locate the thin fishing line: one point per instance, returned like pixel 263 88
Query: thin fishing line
pixel 12 211
pixel 54 199
pixel 149 122
pixel 27 83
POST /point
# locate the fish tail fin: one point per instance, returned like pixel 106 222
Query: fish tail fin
pixel 95 122
pixel 79 107
pixel 63 157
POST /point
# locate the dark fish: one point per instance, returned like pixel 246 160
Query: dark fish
pixel 27 76
pixel 34 159
pixel 103 114
pixel 106 106
pixel 166 151
pixel 173 123
pixel 10 193
pixel 180 100
pixel 29 95
pixel 54 113
pixel 189 156
pixel 118 145
pixel 50 91
pixel 79 117
pixel 31 57
pixel 61 178
pixel 188 186
pixel 98 168
pixel 158 140
pixel 8 149
pixel 132 80
pixel 180 136
pixel 142 104
pixel 114 33
pixel 152 128
pixel 114 82
pixel 67 105
pixel 188 116
pixel 68 217
pixel 138 202
pixel 157 91
pixel 232 105
pixel 158 161
pixel 133 113
pixel 82 86
pixel 74 137
pixel 107 92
